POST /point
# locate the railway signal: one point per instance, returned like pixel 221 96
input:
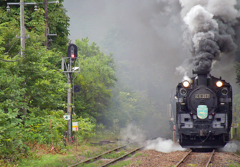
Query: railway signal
pixel 72 51
pixel 71 67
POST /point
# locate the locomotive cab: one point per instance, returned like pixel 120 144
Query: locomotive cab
pixel 203 111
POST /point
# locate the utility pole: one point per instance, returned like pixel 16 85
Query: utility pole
pixel 23 30
pixel 46 22
pixel 69 102
pixel 22 27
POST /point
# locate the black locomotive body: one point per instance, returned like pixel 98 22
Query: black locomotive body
pixel 203 111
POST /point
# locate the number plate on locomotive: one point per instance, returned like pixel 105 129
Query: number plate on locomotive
pixel 202 96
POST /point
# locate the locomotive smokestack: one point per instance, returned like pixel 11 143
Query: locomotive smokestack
pixel 202 77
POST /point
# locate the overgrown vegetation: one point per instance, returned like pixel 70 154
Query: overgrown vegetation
pixel 33 88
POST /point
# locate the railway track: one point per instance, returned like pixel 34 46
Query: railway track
pixel 192 157
pixel 97 157
pixel 122 157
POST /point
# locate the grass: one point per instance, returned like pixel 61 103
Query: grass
pixel 193 165
pixel 47 161
pixel 113 155
pixel 139 162
pixel 70 156
pixel 235 165
pixel 89 165
pixel 121 163
pixel 93 151
pixel 41 156
pixel 139 154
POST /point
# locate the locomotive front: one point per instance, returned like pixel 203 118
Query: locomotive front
pixel 203 111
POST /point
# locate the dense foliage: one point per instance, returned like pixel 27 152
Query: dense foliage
pixel 32 87
pixel 97 77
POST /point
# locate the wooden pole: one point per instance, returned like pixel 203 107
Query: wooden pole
pixel 46 22
pixel 51 134
pixel 22 27
pixel 235 121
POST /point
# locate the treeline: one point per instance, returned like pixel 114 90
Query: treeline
pixel 33 89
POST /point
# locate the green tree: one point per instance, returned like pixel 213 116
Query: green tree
pixel 32 87
pixel 97 77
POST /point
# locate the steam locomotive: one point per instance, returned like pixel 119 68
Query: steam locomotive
pixel 203 111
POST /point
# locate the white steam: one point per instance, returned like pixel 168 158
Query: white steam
pixel 132 134
pixel 223 8
pixel 232 146
pixel 183 70
pixel 198 19
pixel 163 145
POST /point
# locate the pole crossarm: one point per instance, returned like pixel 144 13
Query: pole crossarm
pixel 22 37
pixel 30 3
pixel 51 35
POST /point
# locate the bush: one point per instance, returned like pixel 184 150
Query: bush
pixel 12 146
pixel 86 128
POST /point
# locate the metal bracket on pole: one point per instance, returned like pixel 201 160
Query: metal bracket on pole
pixel 22 37
pixel 70 68
pixel 52 35
pixel 31 3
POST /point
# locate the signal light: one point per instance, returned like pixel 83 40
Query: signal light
pixel 72 51
pixel 213 114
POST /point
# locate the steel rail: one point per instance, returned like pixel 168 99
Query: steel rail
pixel 95 158
pixel 115 160
pixel 183 158
pixel 210 158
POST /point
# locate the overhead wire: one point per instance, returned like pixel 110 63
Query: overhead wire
pixel 8 52
pixel 11 46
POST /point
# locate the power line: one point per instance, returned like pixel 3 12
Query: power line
pixel 22 27
pixel 11 46
pixel 8 60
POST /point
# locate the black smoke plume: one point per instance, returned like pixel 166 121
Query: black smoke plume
pixel 210 30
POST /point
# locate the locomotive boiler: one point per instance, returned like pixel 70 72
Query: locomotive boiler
pixel 203 111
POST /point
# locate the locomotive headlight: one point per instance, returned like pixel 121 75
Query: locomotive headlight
pixel 224 91
pixel 219 84
pixel 183 92
pixel 185 84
